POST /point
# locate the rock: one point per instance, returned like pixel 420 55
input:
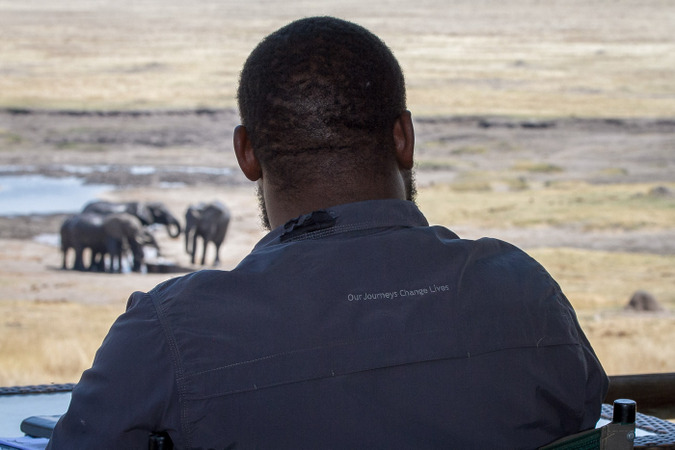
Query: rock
pixel 660 191
pixel 643 301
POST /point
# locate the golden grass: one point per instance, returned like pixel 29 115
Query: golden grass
pixel 50 342
pixel 515 57
pixel 604 281
pixel 54 341
pixel 632 344
pixel 597 283
pixel 472 200
pixel 593 280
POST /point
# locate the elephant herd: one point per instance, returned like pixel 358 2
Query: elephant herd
pixel 116 229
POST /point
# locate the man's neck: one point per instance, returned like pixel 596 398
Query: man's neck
pixel 282 208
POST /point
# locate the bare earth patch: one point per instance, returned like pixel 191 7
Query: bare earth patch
pixel 539 184
pixel 548 124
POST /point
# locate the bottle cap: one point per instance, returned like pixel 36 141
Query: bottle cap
pixel 624 411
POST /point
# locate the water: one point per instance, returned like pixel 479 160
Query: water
pixel 103 168
pixel 38 194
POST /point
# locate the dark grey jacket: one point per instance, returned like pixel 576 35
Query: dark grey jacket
pixel 356 327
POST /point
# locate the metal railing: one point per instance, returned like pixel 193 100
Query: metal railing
pixel 654 393
pixel 36 389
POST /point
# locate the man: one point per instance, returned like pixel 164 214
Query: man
pixel 353 323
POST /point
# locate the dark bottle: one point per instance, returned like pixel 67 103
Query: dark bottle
pixel 624 411
pixel 620 434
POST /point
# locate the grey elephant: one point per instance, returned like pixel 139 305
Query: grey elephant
pixel 208 221
pixel 110 234
pixel 80 232
pixel 124 231
pixel 147 212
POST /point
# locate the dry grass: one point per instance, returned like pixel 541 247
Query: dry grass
pixel 476 201
pixel 602 281
pixel 47 336
pixel 50 342
pixel 597 283
pixel 632 344
pixel 515 57
pixel 593 280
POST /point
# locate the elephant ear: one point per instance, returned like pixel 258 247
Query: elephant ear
pixel 143 213
pixel 156 211
pixel 193 213
pixel 192 217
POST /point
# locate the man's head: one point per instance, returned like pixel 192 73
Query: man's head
pixel 319 101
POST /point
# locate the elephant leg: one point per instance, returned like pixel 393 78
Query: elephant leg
pixel 206 242
pixel 98 263
pixel 137 264
pixel 106 261
pixel 193 253
pixel 113 262
pixel 79 259
pixel 114 249
pixel 217 260
pixel 113 259
pixel 137 254
pixel 120 254
pixel 93 261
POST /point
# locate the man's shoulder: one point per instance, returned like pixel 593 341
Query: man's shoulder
pixel 488 249
pixel 189 284
pixel 490 265
pixel 481 250
pixel 181 294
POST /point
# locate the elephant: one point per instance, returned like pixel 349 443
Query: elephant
pixel 148 212
pixel 79 232
pixel 208 221
pixel 109 234
pixel 122 231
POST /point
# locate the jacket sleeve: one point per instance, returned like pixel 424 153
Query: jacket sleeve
pixel 129 391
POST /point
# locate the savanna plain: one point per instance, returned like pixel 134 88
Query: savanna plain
pixel 547 124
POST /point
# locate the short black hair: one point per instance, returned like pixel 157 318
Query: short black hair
pixel 318 91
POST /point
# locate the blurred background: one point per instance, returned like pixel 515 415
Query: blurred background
pixel 549 124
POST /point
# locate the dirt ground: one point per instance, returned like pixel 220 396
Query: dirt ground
pixel 507 97
pixel 448 149
pixel 190 153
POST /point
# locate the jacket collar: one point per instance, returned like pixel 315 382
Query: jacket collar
pixel 348 217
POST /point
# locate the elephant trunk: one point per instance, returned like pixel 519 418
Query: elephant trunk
pixel 174 226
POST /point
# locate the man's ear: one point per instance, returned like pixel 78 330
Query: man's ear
pixel 248 163
pixel 404 140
